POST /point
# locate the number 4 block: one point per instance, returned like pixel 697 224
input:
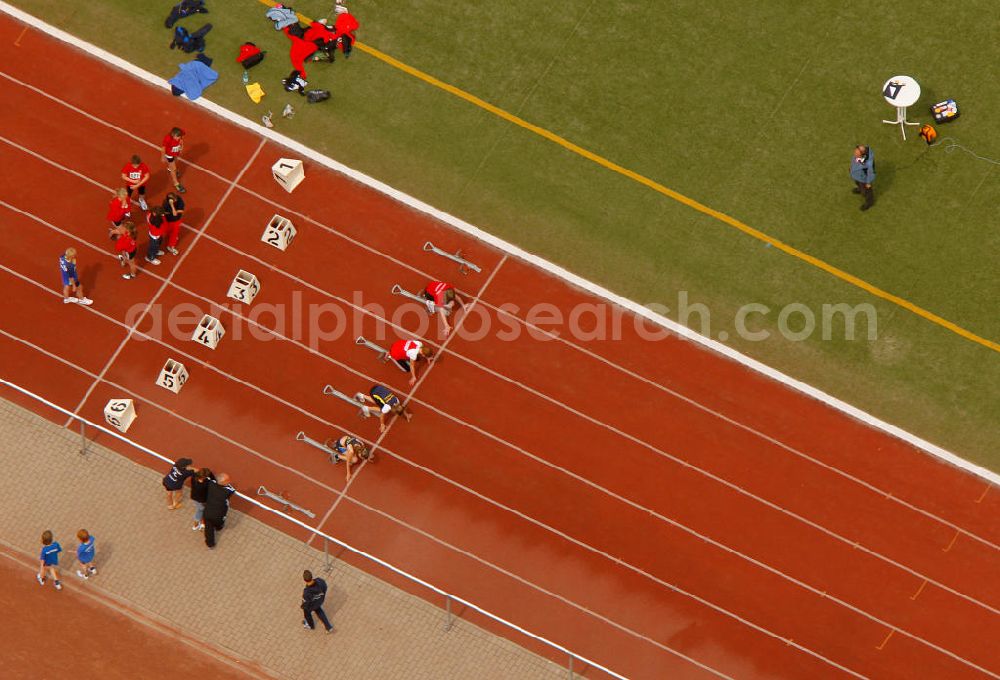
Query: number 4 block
pixel 279 232
pixel 244 287
pixel 120 414
pixel 209 332
pixel 173 376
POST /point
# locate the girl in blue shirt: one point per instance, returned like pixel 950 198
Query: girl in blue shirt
pixel 48 560
pixel 72 291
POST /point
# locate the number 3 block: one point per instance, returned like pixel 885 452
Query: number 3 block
pixel 120 414
pixel 279 232
pixel 173 376
pixel 244 287
pixel 209 332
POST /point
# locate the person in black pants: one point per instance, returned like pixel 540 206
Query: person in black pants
pixel 216 506
pixel 312 601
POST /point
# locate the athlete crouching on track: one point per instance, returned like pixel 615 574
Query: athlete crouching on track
pixel 348 450
pixel 407 353
pixel 386 401
pixel 442 296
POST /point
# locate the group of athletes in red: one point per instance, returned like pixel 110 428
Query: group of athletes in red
pixel 163 222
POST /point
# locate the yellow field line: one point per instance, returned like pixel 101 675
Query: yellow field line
pixel 670 193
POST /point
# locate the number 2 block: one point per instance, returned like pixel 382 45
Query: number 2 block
pixel 244 287
pixel 279 232
pixel 120 414
pixel 209 332
pixel 173 376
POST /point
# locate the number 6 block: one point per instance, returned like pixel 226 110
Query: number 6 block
pixel 209 332
pixel 279 232
pixel 173 376
pixel 244 287
pixel 120 414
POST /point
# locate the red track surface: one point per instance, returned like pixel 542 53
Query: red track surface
pixel 652 506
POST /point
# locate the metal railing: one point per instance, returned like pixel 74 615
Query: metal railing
pixel 572 658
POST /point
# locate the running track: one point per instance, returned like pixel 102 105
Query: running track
pixel 649 505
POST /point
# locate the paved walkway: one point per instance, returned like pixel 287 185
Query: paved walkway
pixel 243 599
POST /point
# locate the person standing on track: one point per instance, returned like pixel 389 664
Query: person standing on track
pixel 348 450
pixel 173 212
pixel 157 228
pixel 199 494
pixel 173 144
pixel 406 353
pixel 386 401
pixel 442 297
pixel 119 210
pixel 136 176
pixel 126 247
pixel 70 279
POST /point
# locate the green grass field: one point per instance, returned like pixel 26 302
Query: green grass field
pixel 753 112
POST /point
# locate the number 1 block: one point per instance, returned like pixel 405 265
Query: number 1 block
pixel 279 232
pixel 244 287
pixel 173 376
pixel 120 414
pixel 209 332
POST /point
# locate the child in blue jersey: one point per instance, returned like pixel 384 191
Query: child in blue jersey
pixel 70 279
pixel 349 450
pixel 48 560
pixel 386 401
pixel 85 555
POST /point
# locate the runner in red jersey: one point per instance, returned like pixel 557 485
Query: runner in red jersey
pixel 119 210
pixel 126 248
pixel 173 144
pixel 442 297
pixel 407 353
pixel 136 175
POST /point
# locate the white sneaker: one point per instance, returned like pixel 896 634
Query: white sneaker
pixel 82 575
pixel 40 579
pixel 92 571
pixel 58 585
pixel 142 203
pixel 153 261
pixel 69 300
pixel 172 251
pixel 86 302
pixel 128 276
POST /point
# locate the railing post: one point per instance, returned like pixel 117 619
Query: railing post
pixel 447 613
pixel 327 566
pixel 570 667
pixel 83 438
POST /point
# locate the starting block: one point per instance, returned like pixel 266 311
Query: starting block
pixel 429 304
pixel 209 332
pixel 463 265
pixel 357 401
pixel 120 414
pixel 173 376
pixel 303 437
pixel 279 232
pixel 285 503
pixel 288 173
pixel 244 287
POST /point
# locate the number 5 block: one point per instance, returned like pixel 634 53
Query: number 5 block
pixel 279 232
pixel 120 414
pixel 173 376
pixel 244 287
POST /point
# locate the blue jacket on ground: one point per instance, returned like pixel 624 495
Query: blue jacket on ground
pixel 193 78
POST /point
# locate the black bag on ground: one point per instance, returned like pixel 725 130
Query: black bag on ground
pixel 190 42
pixel 183 9
pixel 316 96
pixel 295 82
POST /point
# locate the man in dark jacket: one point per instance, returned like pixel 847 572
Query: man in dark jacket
pixel 863 174
pixel 312 601
pixel 216 506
